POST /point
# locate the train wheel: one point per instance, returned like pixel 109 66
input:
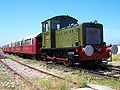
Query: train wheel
pixel 68 62
pixel 33 57
pixel 43 57
pixel 105 61
pixel 55 62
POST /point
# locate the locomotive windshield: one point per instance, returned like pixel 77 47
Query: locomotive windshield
pixel 93 35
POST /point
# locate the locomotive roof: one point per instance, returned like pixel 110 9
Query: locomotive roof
pixel 31 36
pixel 61 17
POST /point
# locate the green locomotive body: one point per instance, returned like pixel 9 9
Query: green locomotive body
pixel 63 39
pixel 63 31
pixel 68 37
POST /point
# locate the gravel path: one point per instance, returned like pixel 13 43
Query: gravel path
pixel 23 70
pixel 8 81
pixel 115 63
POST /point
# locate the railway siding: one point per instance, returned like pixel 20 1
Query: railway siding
pixel 82 78
pixel 27 72
pixel 10 81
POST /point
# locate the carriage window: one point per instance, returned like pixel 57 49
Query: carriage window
pixel 17 43
pixel 32 41
pixel 22 43
pixel 28 42
pixel 8 45
pixel 13 45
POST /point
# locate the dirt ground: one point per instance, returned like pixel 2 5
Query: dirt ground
pixel 115 63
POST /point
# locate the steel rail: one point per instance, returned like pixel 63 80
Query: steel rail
pixel 115 69
pixel 24 78
pixel 101 74
pixel 48 73
pixel 97 73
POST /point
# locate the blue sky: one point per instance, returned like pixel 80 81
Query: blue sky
pixel 19 18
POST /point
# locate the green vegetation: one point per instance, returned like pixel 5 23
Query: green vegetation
pixel 81 78
pixel 116 57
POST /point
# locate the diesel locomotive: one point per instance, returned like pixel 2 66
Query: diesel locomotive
pixel 64 40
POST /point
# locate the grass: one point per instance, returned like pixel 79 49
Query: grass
pixel 82 80
pixel 54 84
pixel 80 76
pixel 116 57
pixel 111 82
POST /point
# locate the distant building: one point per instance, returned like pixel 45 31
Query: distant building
pixel 118 49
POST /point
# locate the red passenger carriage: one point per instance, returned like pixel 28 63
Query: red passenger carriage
pixel 30 45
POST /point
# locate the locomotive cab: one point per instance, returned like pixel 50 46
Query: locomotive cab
pixel 51 25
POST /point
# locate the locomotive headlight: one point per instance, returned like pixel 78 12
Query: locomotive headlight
pixel 114 49
pixel 89 50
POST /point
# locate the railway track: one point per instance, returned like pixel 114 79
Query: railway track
pixel 26 77
pixel 45 72
pixel 112 72
pixel 106 73
pixel 115 69
pixel 31 82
